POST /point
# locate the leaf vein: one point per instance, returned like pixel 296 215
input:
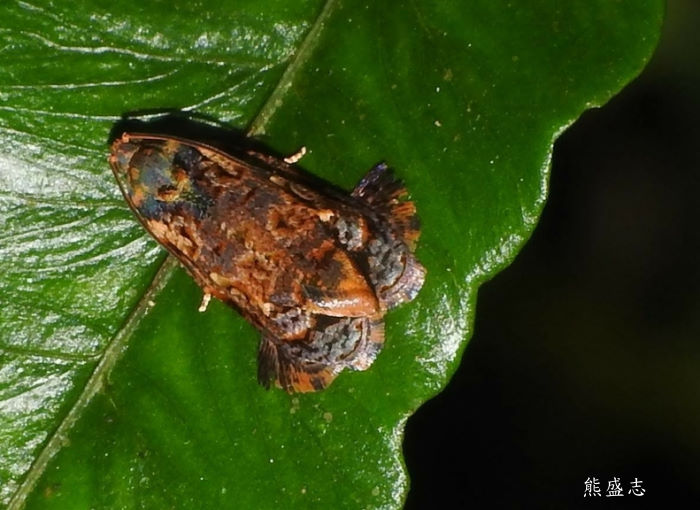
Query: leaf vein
pixel 299 58
pixel 112 354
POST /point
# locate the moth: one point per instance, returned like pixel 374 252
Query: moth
pixel 314 269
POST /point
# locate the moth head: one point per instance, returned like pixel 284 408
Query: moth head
pixel 154 174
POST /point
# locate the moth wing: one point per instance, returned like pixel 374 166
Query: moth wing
pixel 405 287
pixel 282 363
pixel 339 289
pixel 395 270
pixel 307 366
pixel 381 190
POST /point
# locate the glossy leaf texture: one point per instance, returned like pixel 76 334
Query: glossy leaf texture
pixel 114 391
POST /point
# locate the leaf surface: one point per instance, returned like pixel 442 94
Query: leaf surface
pixel 114 391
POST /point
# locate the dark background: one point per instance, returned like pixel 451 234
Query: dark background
pixel 585 359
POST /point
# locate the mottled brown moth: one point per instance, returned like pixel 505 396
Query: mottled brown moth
pixel 313 268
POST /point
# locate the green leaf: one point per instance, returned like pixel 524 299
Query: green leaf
pixel 114 391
